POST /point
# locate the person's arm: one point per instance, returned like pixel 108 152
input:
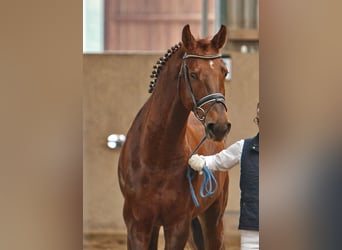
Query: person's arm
pixel 221 161
pixel 225 159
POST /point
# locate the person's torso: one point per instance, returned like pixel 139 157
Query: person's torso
pixel 249 185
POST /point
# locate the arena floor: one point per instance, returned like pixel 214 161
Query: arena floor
pixel 118 242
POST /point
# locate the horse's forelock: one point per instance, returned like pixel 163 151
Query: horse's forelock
pixel 203 45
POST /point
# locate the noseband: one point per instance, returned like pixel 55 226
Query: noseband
pixel 213 98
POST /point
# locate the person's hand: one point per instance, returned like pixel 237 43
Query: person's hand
pixel 196 162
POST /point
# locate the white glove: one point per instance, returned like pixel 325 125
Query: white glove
pixel 196 162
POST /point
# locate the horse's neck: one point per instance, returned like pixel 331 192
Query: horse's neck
pixel 167 117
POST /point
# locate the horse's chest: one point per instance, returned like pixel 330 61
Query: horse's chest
pixel 160 203
pixel 161 192
pixel 165 202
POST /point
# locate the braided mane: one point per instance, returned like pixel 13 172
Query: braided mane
pixel 159 64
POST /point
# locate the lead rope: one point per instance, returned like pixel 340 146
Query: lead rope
pixel 209 183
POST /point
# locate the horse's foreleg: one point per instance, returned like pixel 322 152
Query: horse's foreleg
pixel 214 233
pixel 213 229
pixel 197 239
pixel 138 236
pixel 154 239
pixel 177 235
pixel 139 232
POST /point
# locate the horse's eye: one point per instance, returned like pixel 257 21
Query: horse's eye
pixel 194 76
pixel 225 71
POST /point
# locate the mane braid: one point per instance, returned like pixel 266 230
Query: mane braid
pixel 159 64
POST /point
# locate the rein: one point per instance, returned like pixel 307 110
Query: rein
pixel 209 184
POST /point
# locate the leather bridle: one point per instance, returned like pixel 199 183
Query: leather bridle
pixel 213 98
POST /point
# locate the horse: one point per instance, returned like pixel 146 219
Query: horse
pixel 186 104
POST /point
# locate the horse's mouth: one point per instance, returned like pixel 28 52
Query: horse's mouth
pixel 213 137
pixel 217 133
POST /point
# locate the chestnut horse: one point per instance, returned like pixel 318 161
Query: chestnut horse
pixel 187 102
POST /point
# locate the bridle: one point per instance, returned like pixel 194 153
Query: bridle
pixel 213 98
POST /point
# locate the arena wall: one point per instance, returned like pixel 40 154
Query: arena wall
pixel 115 87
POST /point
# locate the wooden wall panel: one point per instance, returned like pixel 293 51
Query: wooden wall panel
pixel 134 24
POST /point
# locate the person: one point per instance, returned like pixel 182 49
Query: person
pixel 246 152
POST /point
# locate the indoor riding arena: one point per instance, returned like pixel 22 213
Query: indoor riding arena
pixel 123 40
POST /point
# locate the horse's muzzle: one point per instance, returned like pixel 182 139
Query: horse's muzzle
pixel 217 131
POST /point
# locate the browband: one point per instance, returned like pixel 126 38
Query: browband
pixel 202 57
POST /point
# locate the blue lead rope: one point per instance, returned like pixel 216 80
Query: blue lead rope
pixel 192 191
pixel 208 186
pixel 209 183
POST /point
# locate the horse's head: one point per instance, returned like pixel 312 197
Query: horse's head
pixel 201 82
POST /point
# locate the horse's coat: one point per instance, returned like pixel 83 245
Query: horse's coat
pixel 153 161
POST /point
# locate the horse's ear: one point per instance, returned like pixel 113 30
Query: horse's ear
pixel 219 39
pixel 187 38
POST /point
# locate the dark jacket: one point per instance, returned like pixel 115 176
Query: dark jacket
pixel 249 185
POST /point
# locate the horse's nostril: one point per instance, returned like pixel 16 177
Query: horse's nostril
pixel 210 127
pixel 229 125
pixel 218 131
